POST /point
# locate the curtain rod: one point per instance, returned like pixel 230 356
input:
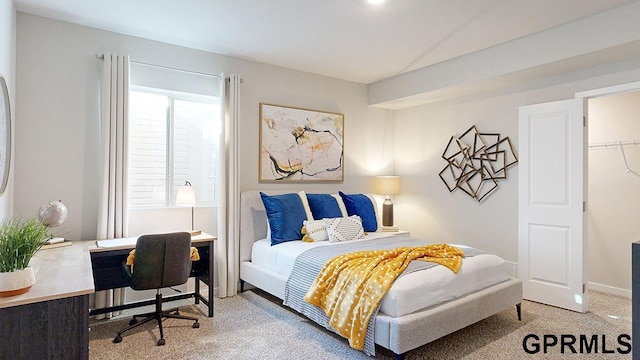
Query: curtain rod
pixel 101 56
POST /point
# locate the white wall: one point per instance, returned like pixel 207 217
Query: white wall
pixel 57 132
pixel 57 138
pixel 425 206
pixel 7 70
pixel 613 193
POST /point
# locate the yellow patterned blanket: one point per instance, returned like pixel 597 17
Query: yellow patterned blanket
pixel 350 287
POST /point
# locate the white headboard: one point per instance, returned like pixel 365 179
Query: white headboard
pixel 253 220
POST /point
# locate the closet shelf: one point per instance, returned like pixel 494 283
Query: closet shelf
pixel 614 144
pixel 617 145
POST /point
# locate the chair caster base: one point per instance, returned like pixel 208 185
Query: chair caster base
pixel 133 321
pixel 117 339
pixel 195 325
pixel 160 342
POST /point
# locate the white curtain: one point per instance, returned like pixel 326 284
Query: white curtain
pixel 112 211
pixel 227 245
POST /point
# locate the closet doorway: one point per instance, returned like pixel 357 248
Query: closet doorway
pixel 554 204
pixel 613 190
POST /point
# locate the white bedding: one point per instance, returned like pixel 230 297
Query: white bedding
pixel 409 293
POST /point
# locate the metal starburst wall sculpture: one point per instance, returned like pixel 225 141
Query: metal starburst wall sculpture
pixel 476 161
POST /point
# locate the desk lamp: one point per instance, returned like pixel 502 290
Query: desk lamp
pixel 186 197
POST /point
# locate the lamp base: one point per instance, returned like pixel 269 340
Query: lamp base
pixel 387 212
pixel 388 229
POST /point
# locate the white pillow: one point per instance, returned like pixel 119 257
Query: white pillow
pixel 314 230
pixel 344 228
pixel 341 206
pixel 305 205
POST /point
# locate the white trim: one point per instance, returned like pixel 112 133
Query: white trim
pixel 616 89
pixel 622 88
pixel 190 286
pixel 610 90
pixel 178 95
pixel 610 289
pixel 511 269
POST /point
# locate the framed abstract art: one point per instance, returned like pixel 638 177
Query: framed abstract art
pixel 300 145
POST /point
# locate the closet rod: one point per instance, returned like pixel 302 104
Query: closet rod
pixel 614 144
pixel 620 145
pixel 101 56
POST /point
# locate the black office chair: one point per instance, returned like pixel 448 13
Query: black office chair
pixel 161 260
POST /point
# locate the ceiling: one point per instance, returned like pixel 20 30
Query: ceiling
pixel 345 39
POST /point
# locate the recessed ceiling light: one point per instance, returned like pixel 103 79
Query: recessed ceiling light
pixel 376 1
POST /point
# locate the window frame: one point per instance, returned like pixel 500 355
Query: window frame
pixel 173 95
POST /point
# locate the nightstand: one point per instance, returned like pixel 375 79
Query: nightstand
pixel 396 233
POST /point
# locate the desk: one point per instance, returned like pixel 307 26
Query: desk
pixel 107 271
pixel 51 320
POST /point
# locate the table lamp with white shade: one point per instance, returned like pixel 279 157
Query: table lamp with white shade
pixel 387 185
pixel 186 197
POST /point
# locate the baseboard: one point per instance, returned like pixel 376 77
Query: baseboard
pixel 610 289
pixel 511 269
pixel 203 288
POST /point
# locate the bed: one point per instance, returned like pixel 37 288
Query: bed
pixel 406 319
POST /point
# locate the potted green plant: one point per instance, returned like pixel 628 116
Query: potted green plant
pixel 20 239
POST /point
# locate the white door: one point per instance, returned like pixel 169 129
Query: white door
pixel 552 188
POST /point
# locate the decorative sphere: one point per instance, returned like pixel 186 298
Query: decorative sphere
pixel 52 213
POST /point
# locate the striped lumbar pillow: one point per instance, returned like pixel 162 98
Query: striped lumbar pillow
pixel 314 230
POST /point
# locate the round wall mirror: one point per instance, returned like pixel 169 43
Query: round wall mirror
pixel 5 135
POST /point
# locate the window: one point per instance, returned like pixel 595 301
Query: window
pixel 173 138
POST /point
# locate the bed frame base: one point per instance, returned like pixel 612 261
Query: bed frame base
pixel 518 311
pixel 405 333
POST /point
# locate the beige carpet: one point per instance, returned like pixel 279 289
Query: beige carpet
pixel 254 325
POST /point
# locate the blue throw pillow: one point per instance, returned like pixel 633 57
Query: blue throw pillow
pixel 324 206
pixel 361 205
pixel 285 214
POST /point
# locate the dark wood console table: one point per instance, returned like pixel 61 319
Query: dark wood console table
pixel 51 321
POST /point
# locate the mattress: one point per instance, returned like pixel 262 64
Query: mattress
pixel 409 293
